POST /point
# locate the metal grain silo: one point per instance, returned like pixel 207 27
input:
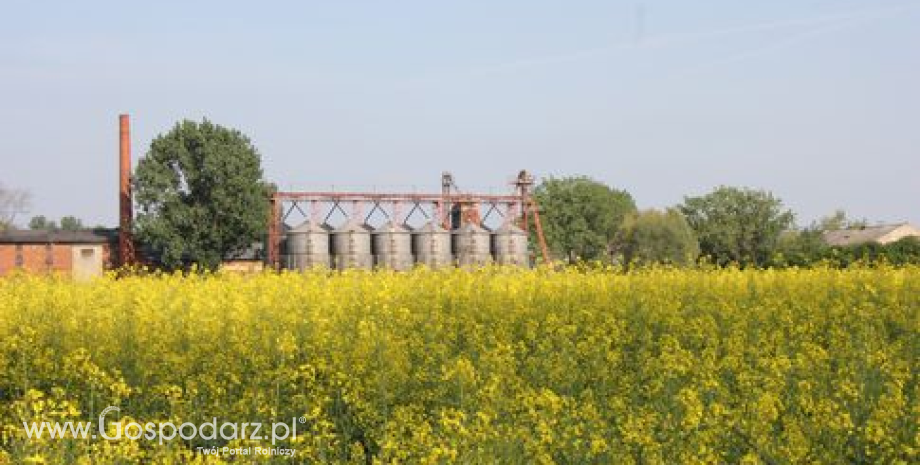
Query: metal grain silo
pixel 509 244
pixel 472 245
pixel 307 246
pixel 431 244
pixel 393 246
pixel 351 246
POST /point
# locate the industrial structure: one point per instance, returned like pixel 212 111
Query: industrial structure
pixel 127 254
pixel 454 231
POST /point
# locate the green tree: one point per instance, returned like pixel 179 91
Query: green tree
pixel 200 195
pixel 737 224
pixel 40 223
pixel 799 247
pixel 840 220
pixel 654 236
pixel 68 223
pixel 804 247
pixel 581 216
pixel 71 223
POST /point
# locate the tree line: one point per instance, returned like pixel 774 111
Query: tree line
pixel 201 197
pixel 588 221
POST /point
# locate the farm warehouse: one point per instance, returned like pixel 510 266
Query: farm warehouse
pixel 80 254
pixel 495 365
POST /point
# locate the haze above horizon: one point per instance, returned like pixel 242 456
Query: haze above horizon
pixel 814 100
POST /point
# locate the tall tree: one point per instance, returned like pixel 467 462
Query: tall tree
pixel 12 203
pixel 200 195
pixel 581 216
pixel 737 224
pixel 799 247
pixel 654 236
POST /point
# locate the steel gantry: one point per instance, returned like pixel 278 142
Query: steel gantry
pixel 450 209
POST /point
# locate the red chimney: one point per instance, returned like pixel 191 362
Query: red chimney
pixel 125 209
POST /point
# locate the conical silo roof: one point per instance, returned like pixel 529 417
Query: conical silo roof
pixel 353 226
pixel 472 228
pixel 509 227
pixel 393 227
pixel 431 227
pixel 310 226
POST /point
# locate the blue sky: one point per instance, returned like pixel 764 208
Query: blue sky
pixel 816 101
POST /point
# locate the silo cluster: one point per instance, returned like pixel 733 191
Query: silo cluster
pixel 395 246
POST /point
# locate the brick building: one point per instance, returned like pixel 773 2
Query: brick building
pixel 80 254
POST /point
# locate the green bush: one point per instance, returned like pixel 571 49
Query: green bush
pixel 802 251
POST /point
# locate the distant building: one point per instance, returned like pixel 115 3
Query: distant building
pixel 878 234
pixel 242 266
pixel 80 254
pixel 248 260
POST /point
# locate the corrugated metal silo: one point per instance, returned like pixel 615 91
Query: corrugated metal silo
pixel 509 243
pixel 472 245
pixel 393 246
pixel 432 247
pixel 351 246
pixel 308 246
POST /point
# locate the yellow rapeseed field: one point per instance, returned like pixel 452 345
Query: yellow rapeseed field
pixel 488 366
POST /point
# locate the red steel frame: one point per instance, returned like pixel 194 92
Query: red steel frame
pixel 439 202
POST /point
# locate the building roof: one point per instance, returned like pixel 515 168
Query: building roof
pixel 255 251
pixel 85 236
pixel 843 237
pixel 432 226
